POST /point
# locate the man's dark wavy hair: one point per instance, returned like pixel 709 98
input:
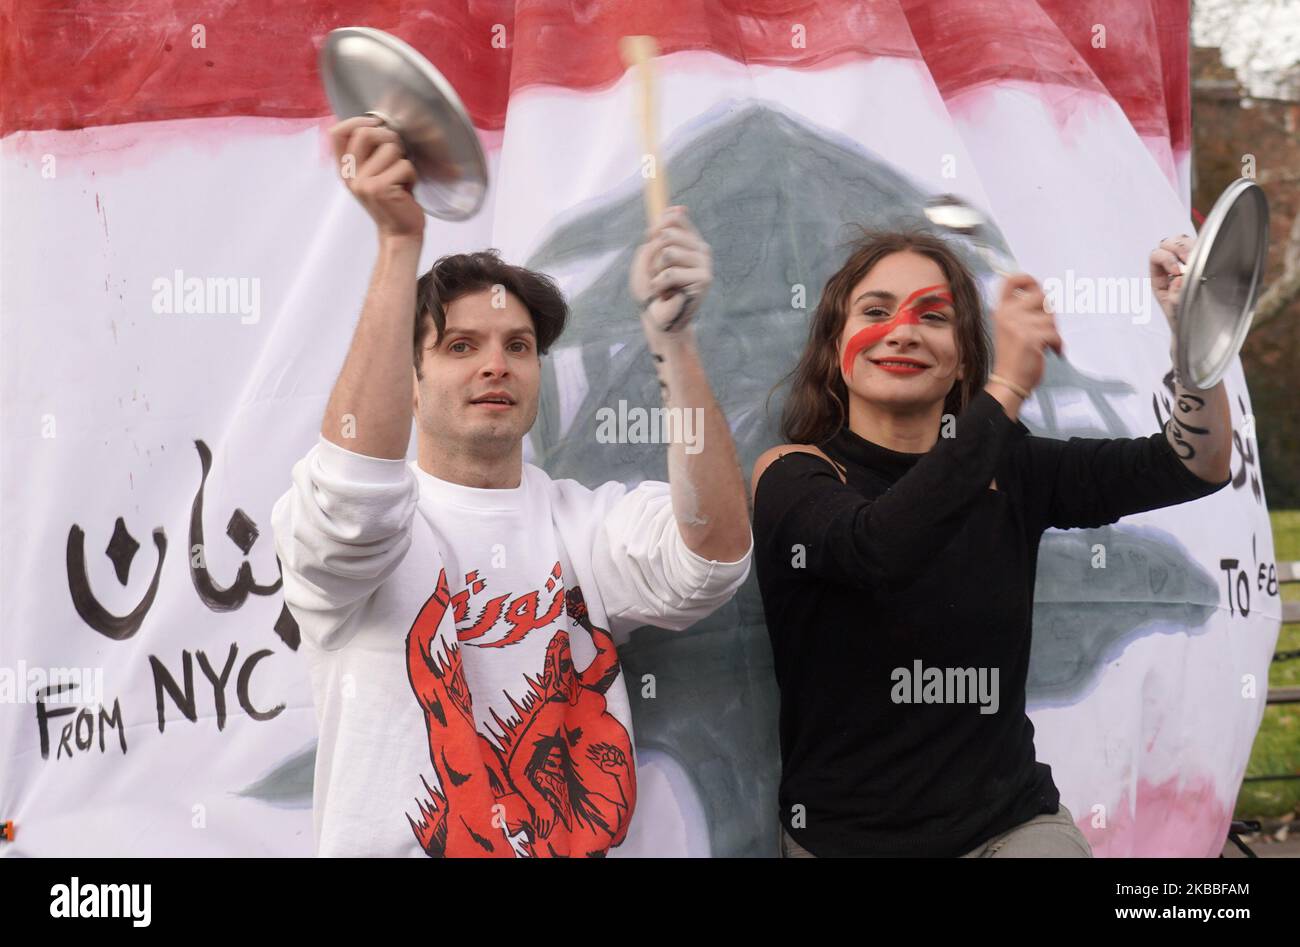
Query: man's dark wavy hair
pixel 459 274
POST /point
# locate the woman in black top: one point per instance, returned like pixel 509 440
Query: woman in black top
pixel 896 539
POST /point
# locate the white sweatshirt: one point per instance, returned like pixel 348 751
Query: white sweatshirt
pixel 467 691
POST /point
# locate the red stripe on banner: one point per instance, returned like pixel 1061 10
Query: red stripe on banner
pixel 966 43
pixel 81 64
pixel 1173 30
pixel 1141 57
pixel 1136 51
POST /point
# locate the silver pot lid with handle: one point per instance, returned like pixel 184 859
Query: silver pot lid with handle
pixel 1221 283
pixel 368 71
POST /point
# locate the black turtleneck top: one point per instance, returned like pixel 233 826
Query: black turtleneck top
pixel 918 559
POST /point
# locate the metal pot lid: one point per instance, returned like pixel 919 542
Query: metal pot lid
pixel 367 71
pixel 949 212
pixel 1221 283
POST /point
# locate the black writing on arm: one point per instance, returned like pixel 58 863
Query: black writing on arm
pixel 659 370
pixel 1185 424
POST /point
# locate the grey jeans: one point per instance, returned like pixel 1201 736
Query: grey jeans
pixel 1052 835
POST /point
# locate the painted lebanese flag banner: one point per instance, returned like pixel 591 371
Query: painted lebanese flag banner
pixel 182 272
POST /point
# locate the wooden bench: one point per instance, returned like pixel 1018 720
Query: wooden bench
pixel 1287 573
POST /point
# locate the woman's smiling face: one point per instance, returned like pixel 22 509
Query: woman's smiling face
pixel 899 344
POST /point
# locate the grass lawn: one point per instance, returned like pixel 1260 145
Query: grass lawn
pixel 1277 745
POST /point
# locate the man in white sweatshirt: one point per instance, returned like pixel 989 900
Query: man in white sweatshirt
pixel 460 612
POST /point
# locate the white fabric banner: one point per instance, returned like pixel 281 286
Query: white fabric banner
pixel 178 297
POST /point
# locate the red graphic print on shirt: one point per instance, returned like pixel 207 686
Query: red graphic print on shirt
pixel 558 771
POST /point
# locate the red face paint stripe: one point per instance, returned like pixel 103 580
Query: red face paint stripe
pixel 907 313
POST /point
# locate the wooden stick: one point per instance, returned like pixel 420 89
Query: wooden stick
pixel 640 51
